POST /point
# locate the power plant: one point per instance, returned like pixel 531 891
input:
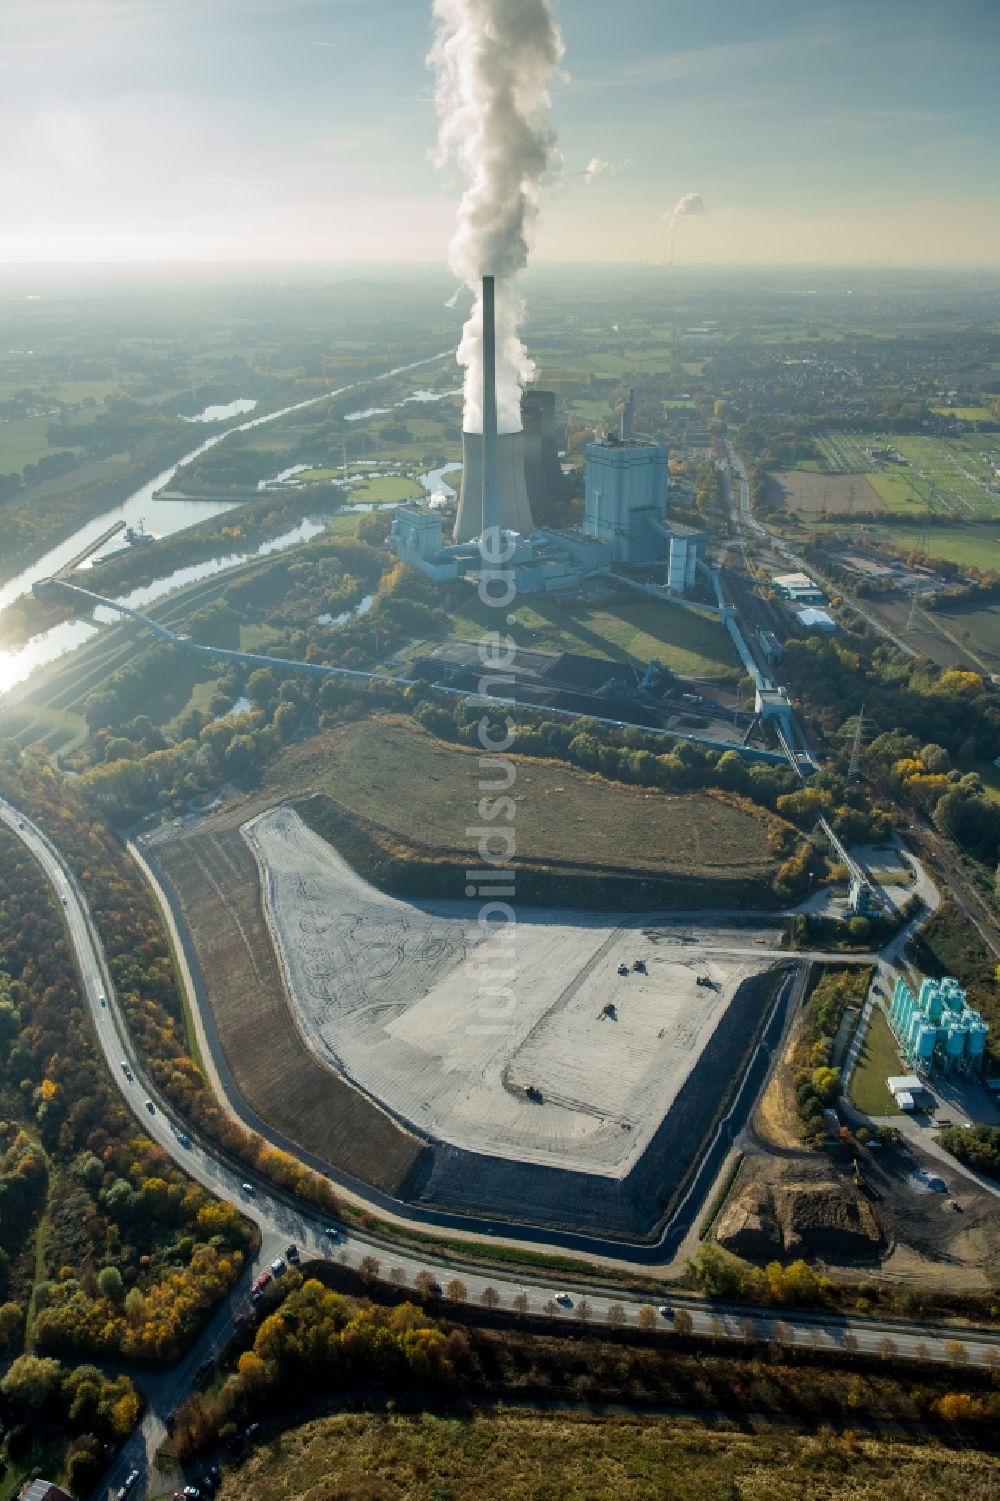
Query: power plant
pixel 508 475
pixel 494 492
pixel 542 473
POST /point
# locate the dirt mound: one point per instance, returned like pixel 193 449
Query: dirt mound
pixel 827 1221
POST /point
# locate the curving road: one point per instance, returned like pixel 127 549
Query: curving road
pixel 282 1220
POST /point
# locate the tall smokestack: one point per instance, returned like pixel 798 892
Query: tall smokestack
pixel 489 405
pixel 494 492
pixel 628 417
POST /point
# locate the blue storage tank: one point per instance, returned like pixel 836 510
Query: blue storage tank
pixel 952 994
pixel 917 1020
pixel 978 1033
pixel 955 1041
pixel 925 1042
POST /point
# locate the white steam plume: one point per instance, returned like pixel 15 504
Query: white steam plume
pixel 597 166
pixel 493 60
pixel 686 207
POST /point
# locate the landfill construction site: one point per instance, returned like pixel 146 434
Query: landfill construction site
pixel 579 1095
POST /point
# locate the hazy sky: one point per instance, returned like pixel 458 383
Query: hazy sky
pixel 278 130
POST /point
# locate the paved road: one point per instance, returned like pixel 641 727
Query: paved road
pixel 282 1221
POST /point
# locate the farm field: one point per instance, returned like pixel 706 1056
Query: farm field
pixel 969 544
pixel 966 414
pixel 640 629
pixel 949 476
pixel 901 492
pixel 980 626
pixel 813 492
pixel 562 814
pixel 23 441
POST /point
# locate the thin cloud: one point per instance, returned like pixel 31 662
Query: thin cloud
pixel 697 62
pixel 597 167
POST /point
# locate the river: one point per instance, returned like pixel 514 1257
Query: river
pixel 170 515
pixel 18 664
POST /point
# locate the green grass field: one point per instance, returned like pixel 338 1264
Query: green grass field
pixel 965 414
pixel 23 441
pixel 530 1455
pixel 386 487
pixel 949 476
pixel 641 629
pixel 312 476
pixel 879 1058
pixel 561 814
pixel 901 491
pixel 969 545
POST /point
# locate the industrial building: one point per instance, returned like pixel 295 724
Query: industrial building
pixel 799 588
pixel 811 618
pixel 542 472
pixel 505 474
pixel 548 560
pixel 625 497
pixel 937 1031
pixel 906 1089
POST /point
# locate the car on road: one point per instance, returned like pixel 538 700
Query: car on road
pixel 20 823
pixel 262 1281
pixel 278 1266
pixel 129 1484
pixel 150 1106
pixel 126 1071
pixel 251 1433
pixel 238 1319
pixel 292 1252
pixel 249 1190
pixel 564 1300
pixel 665 1311
pixel 64 901
pixel 204 1368
pixel 183 1140
pixel 331 1232
pixel 102 998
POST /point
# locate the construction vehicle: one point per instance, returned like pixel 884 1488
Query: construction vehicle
pixel 639 965
pixel 623 969
pixel 533 1092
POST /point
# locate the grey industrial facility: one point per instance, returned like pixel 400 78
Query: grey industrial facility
pixel 507 477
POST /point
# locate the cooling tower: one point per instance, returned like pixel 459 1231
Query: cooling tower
pixel 508 506
pixel 541 449
pixel 493 489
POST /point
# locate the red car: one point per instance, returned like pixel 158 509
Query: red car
pixel 261 1283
